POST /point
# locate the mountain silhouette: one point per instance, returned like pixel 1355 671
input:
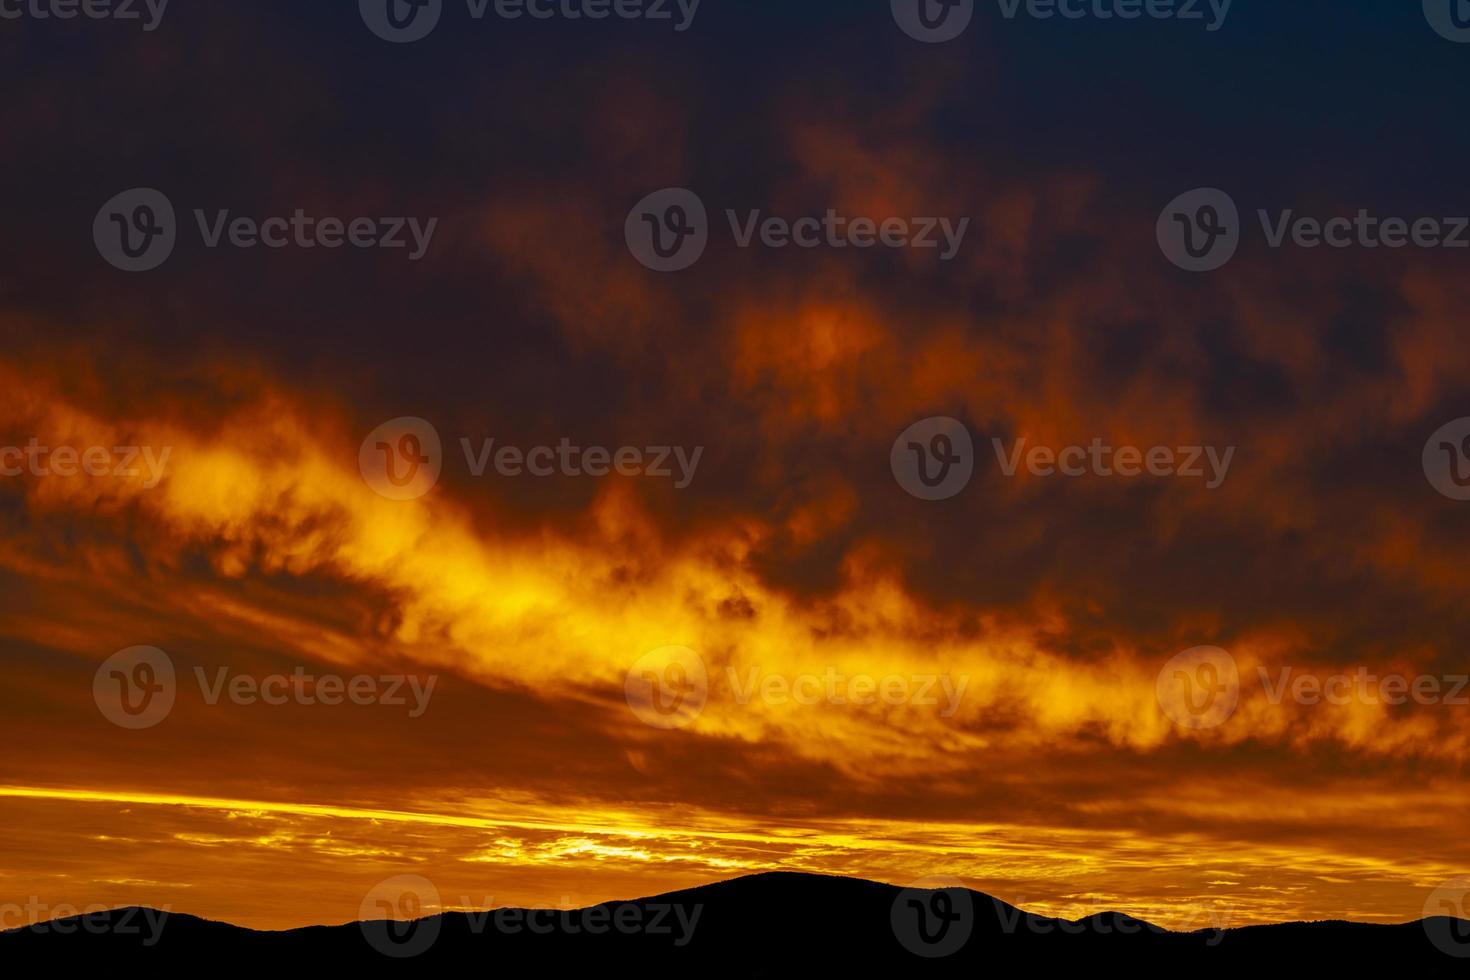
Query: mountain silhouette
pixel 778 924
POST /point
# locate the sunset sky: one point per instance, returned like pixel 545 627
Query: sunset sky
pixel 1057 778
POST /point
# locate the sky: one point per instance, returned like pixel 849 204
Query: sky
pixel 751 642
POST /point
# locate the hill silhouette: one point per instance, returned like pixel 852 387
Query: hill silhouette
pixel 766 925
